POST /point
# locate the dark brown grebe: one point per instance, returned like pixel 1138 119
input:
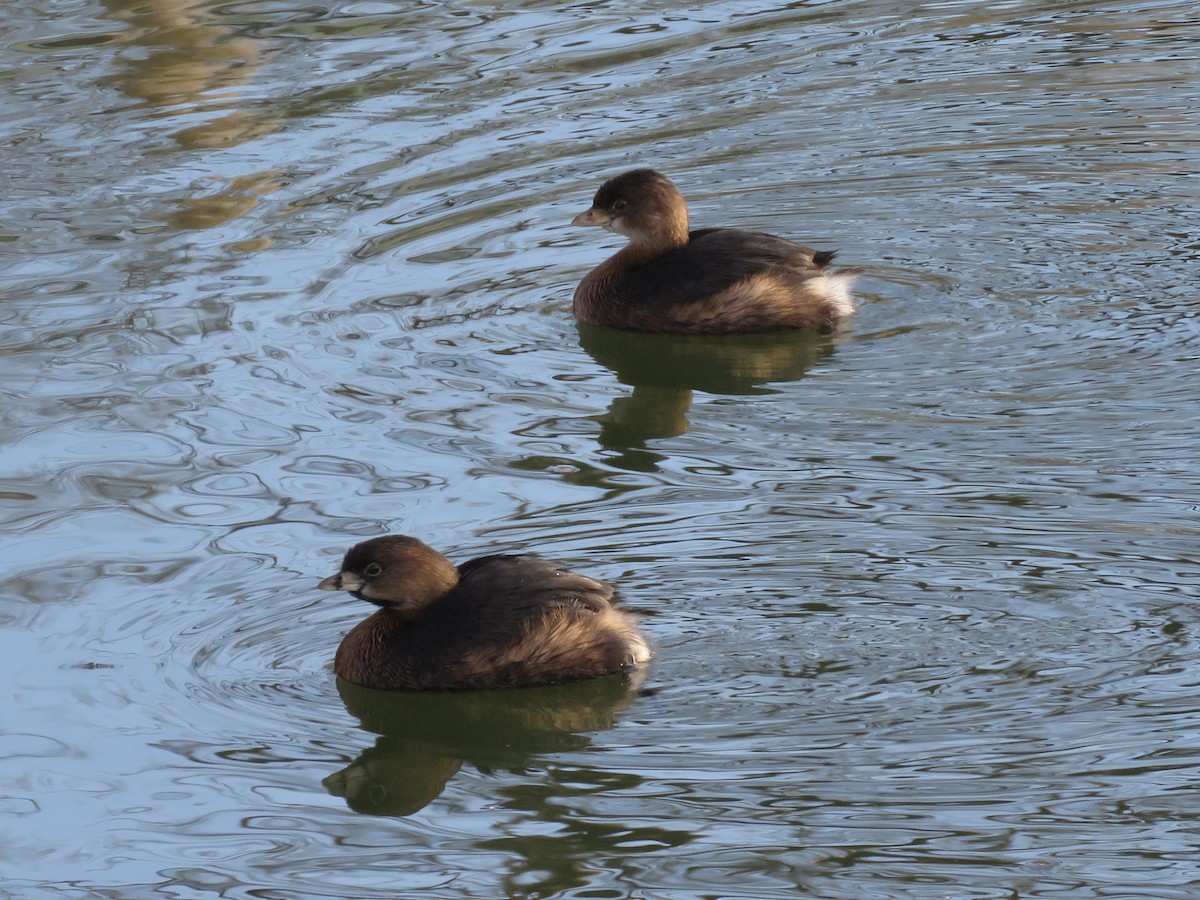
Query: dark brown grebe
pixel 710 281
pixel 496 621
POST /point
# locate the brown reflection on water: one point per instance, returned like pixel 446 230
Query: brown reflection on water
pixel 191 62
pixel 189 52
pixel 191 65
pixel 236 198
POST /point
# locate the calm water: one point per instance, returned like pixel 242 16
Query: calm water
pixel 277 277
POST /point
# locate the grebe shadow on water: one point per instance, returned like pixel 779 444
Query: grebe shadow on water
pixel 424 738
pixel 665 369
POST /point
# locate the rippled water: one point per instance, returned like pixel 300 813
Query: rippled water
pixel 276 277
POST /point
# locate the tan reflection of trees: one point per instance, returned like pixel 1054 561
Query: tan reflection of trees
pixel 183 60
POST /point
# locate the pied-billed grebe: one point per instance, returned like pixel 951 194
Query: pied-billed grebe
pixel 496 621
pixel 709 281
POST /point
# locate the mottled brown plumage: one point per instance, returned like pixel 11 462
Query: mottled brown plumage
pixel 496 621
pixel 707 281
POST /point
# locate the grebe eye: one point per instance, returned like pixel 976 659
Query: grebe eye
pixel 372 570
pixel 619 205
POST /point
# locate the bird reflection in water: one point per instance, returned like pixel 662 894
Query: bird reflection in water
pixel 424 737
pixel 665 369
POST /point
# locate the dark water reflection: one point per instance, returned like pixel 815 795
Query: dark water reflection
pixel 664 370
pixel 425 738
pixel 275 277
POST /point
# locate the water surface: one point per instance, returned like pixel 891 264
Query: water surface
pixel 276 278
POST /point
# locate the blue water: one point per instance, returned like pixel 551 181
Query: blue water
pixel 276 278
